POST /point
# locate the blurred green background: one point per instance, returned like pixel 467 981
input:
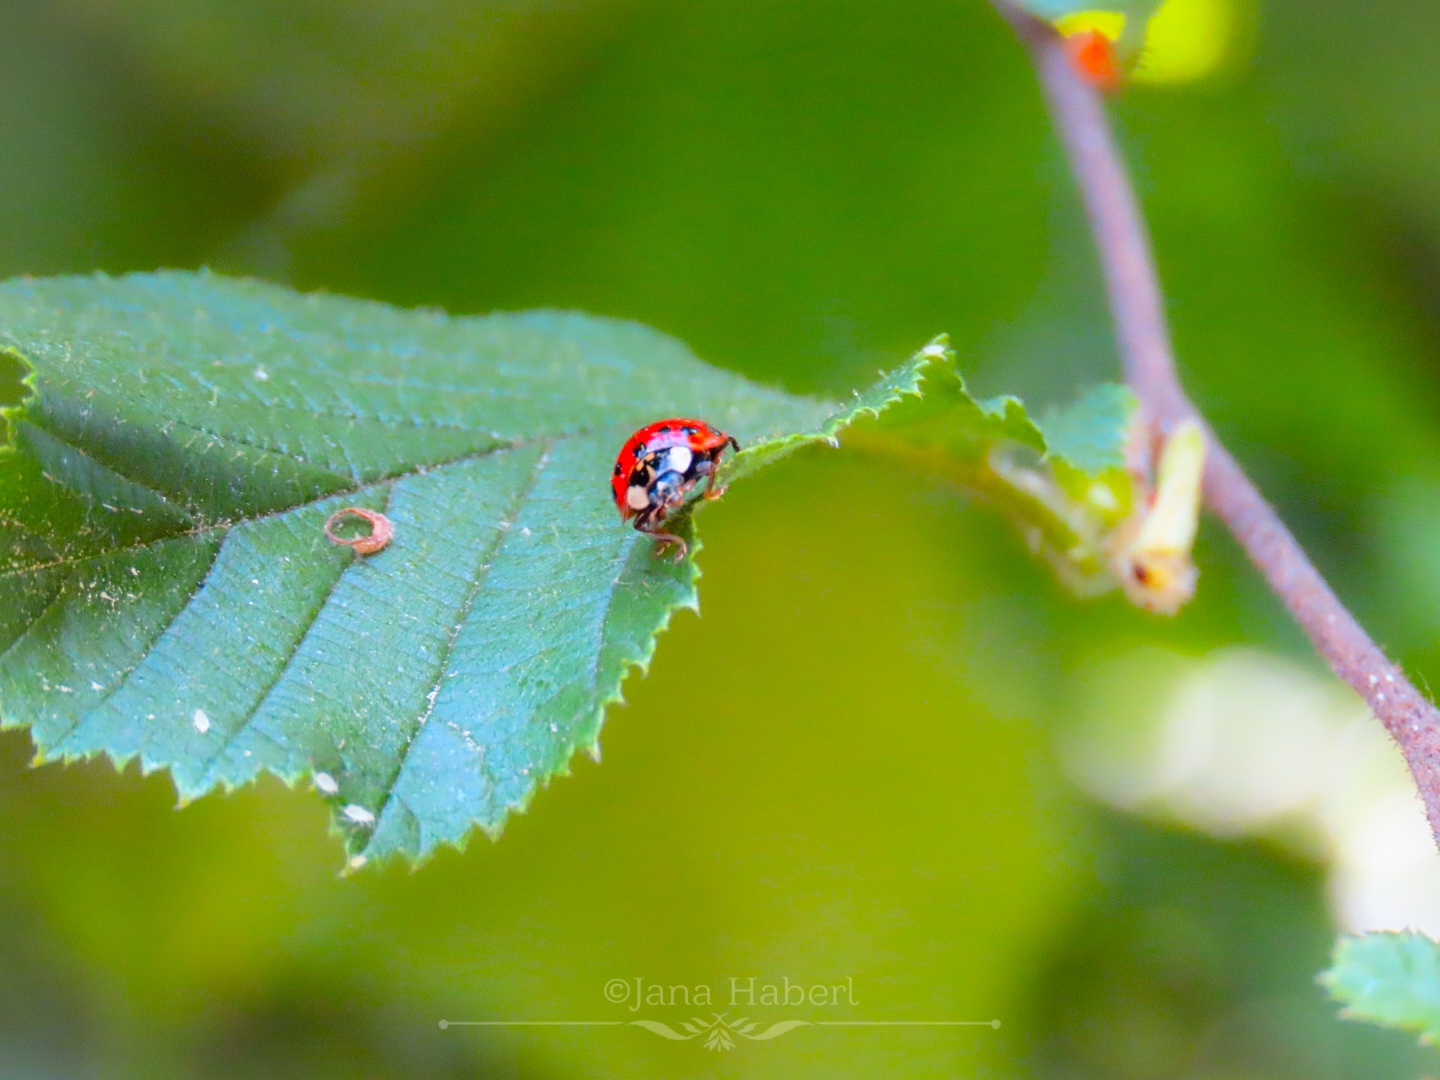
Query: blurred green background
pixel 851 765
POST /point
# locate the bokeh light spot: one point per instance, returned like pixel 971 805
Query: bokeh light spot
pixel 1187 40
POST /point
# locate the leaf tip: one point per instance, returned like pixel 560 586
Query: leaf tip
pixel 938 348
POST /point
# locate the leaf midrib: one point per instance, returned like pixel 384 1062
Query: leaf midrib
pixel 230 523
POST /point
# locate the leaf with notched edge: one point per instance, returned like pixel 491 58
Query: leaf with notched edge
pixel 167 592
pixel 1390 979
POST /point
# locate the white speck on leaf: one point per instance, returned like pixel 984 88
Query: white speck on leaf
pixel 358 814
pixel 262 375
pixel 201 721
pixel 326 784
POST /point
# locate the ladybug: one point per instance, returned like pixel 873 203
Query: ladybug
pixel 659 465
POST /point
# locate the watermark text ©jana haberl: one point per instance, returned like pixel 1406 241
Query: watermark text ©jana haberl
pixel 738 994
pixel 748 992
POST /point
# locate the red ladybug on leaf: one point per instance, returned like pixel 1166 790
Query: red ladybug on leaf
pixel 659 465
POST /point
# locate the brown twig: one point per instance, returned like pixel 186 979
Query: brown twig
pixel 1144 339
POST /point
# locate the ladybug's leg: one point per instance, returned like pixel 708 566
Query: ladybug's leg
pixel 664 540
pixel 646 523
pixel 711 491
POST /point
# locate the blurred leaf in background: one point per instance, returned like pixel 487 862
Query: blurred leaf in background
pixel 1390 979
pixel 801 192
pixel 1196 959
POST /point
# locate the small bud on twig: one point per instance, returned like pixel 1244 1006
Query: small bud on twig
pixel 1133 287
pixel 1155 568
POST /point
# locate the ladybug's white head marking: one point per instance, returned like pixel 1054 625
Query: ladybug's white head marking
pixel 637 498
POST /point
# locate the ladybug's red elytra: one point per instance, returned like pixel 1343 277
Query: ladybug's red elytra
pixel 659 465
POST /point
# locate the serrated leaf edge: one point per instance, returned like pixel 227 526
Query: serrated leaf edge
pixel 906 381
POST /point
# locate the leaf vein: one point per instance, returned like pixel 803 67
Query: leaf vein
pixel 207 778
pixel 228 523
pixel 177 504
pixel 482 570
pixel 125 678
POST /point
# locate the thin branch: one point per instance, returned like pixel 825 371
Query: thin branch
pixel 1144 339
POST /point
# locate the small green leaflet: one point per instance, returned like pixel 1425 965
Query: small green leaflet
pixel 1089 435
pixel 1139 10
pixel 1391 979
pixel 167 592
pixel 1137 14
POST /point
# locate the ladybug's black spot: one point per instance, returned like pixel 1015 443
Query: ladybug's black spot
pixel 617 469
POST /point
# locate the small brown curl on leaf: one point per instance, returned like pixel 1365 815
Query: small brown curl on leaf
pixel 382 530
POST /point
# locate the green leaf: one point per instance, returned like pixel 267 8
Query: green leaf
pixel 1391 979
pixel 1056 9
pixel 1089 435
pixel 169 593
pixel 1062 482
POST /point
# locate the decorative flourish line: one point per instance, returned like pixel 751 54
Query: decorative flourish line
pixel 1137 307
pixel 719 1032
pixel 444 1024
pixel 906 1023
pixel 810 1023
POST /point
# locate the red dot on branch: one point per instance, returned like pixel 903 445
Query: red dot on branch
pixel 1094 57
